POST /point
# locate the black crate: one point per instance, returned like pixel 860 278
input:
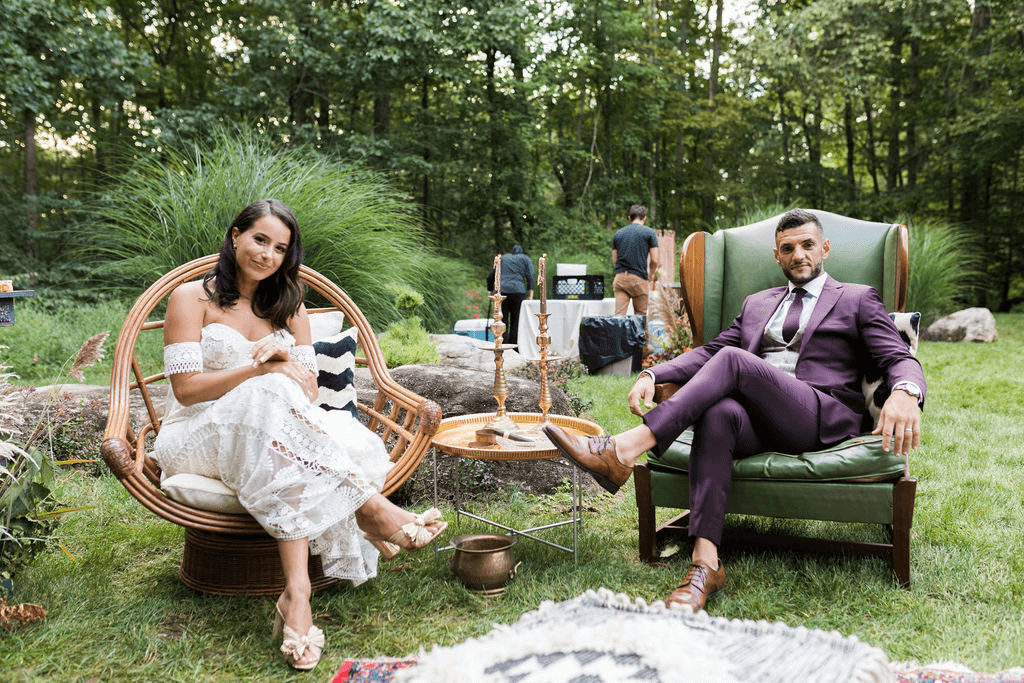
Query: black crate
pixel 577 286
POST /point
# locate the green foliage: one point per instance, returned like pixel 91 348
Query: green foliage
pixel 944 267
pixel 25 493
pixel 26 479
pixel 405 342
pixel 528 121
pixel 407 301
pixel 176 206
pixel 27 459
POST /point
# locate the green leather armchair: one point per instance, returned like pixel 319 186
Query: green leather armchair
pixel 854 481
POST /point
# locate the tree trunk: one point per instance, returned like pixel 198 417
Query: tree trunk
pixel 382 113
pixel 707 208
pixel 851 175
pixel 785 138
pixel 301 98
pixel 913 94
pixel 424 108
pixel 323 119
pixel 872 155
pixel 893 177
pixel 31 184
pixel 96 112
pixel 812 137
pixel 971 181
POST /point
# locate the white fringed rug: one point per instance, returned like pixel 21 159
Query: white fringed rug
pixel 601 637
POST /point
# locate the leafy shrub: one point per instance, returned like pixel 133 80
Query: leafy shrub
pixel 406 342
pixel 407 301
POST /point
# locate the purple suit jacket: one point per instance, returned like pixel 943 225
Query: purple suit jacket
pixel 848 333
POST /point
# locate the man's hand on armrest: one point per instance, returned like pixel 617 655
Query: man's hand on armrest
pixel 900 423
pixel 641 396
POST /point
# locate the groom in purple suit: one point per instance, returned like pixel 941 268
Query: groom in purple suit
pixel 786 376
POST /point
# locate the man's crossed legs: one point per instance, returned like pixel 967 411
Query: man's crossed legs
pixel 738 405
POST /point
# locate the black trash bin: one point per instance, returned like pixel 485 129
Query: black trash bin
pixel 608 339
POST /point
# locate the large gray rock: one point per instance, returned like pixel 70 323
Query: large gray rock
pixel 473 354
pixel 464 392
pixel 970 324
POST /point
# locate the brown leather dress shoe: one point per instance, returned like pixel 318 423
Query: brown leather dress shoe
pixel 595 456
pixel 700 583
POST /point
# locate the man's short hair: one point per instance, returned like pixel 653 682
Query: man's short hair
pixel 637 211
pixel 794 218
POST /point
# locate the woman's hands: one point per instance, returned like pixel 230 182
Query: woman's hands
pixel 268 349
pixel 269 355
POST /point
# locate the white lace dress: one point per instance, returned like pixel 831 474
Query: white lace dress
pixel 301 471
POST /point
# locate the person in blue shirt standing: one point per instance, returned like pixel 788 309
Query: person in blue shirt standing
pixel 632 246
pixel 517 276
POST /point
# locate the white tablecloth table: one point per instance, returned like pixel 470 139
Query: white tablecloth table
pixel 563 324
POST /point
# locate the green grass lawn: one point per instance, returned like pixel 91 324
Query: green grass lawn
pixel 116 610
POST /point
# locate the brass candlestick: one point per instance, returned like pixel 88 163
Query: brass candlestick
pixel 543 341
pixel 501 422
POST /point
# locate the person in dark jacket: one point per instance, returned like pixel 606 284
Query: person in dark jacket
pixel 517 276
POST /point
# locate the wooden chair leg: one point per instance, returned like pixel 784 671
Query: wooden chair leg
pixel 645 513
pixel 902 520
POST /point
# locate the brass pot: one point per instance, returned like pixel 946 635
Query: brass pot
pixel 484 562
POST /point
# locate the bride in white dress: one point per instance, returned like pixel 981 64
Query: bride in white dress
pixel 242 369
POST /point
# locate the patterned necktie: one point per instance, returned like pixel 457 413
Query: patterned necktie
pixel 792 323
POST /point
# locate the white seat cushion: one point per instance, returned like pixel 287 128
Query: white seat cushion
pixel 202 492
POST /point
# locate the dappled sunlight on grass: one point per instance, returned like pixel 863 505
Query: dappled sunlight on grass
pixel 120 612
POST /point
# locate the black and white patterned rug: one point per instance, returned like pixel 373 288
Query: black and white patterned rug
pixel 601 637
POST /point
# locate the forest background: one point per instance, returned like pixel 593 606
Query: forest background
pixel 535 122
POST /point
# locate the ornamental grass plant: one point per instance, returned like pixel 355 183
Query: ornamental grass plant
pixel 116 610
pixel 356 230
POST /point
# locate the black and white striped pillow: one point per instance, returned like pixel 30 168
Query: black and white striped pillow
pixel 875 390
pixel 336 362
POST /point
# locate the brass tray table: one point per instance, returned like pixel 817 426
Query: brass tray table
pixel 457 436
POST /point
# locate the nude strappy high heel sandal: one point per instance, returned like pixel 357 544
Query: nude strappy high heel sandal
pixel 294 646
pixel 413 535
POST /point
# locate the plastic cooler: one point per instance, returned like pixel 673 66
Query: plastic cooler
pixel 476 328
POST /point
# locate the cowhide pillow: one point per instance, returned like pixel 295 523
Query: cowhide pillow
pixel 875 390
pixel 336 362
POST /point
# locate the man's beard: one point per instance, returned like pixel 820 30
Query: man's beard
pixel 815 272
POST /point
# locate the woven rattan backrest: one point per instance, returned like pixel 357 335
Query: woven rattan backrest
pixel 404 420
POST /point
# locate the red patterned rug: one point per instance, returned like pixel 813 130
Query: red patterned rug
pixel 381 671
pixel 370 670
pixel 941 673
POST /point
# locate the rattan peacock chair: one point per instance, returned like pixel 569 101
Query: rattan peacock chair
pixel 229 554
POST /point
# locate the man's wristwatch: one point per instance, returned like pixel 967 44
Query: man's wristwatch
pixel 649 374
pixel 908 387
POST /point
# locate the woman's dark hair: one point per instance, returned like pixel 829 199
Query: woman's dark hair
pixel 279 296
